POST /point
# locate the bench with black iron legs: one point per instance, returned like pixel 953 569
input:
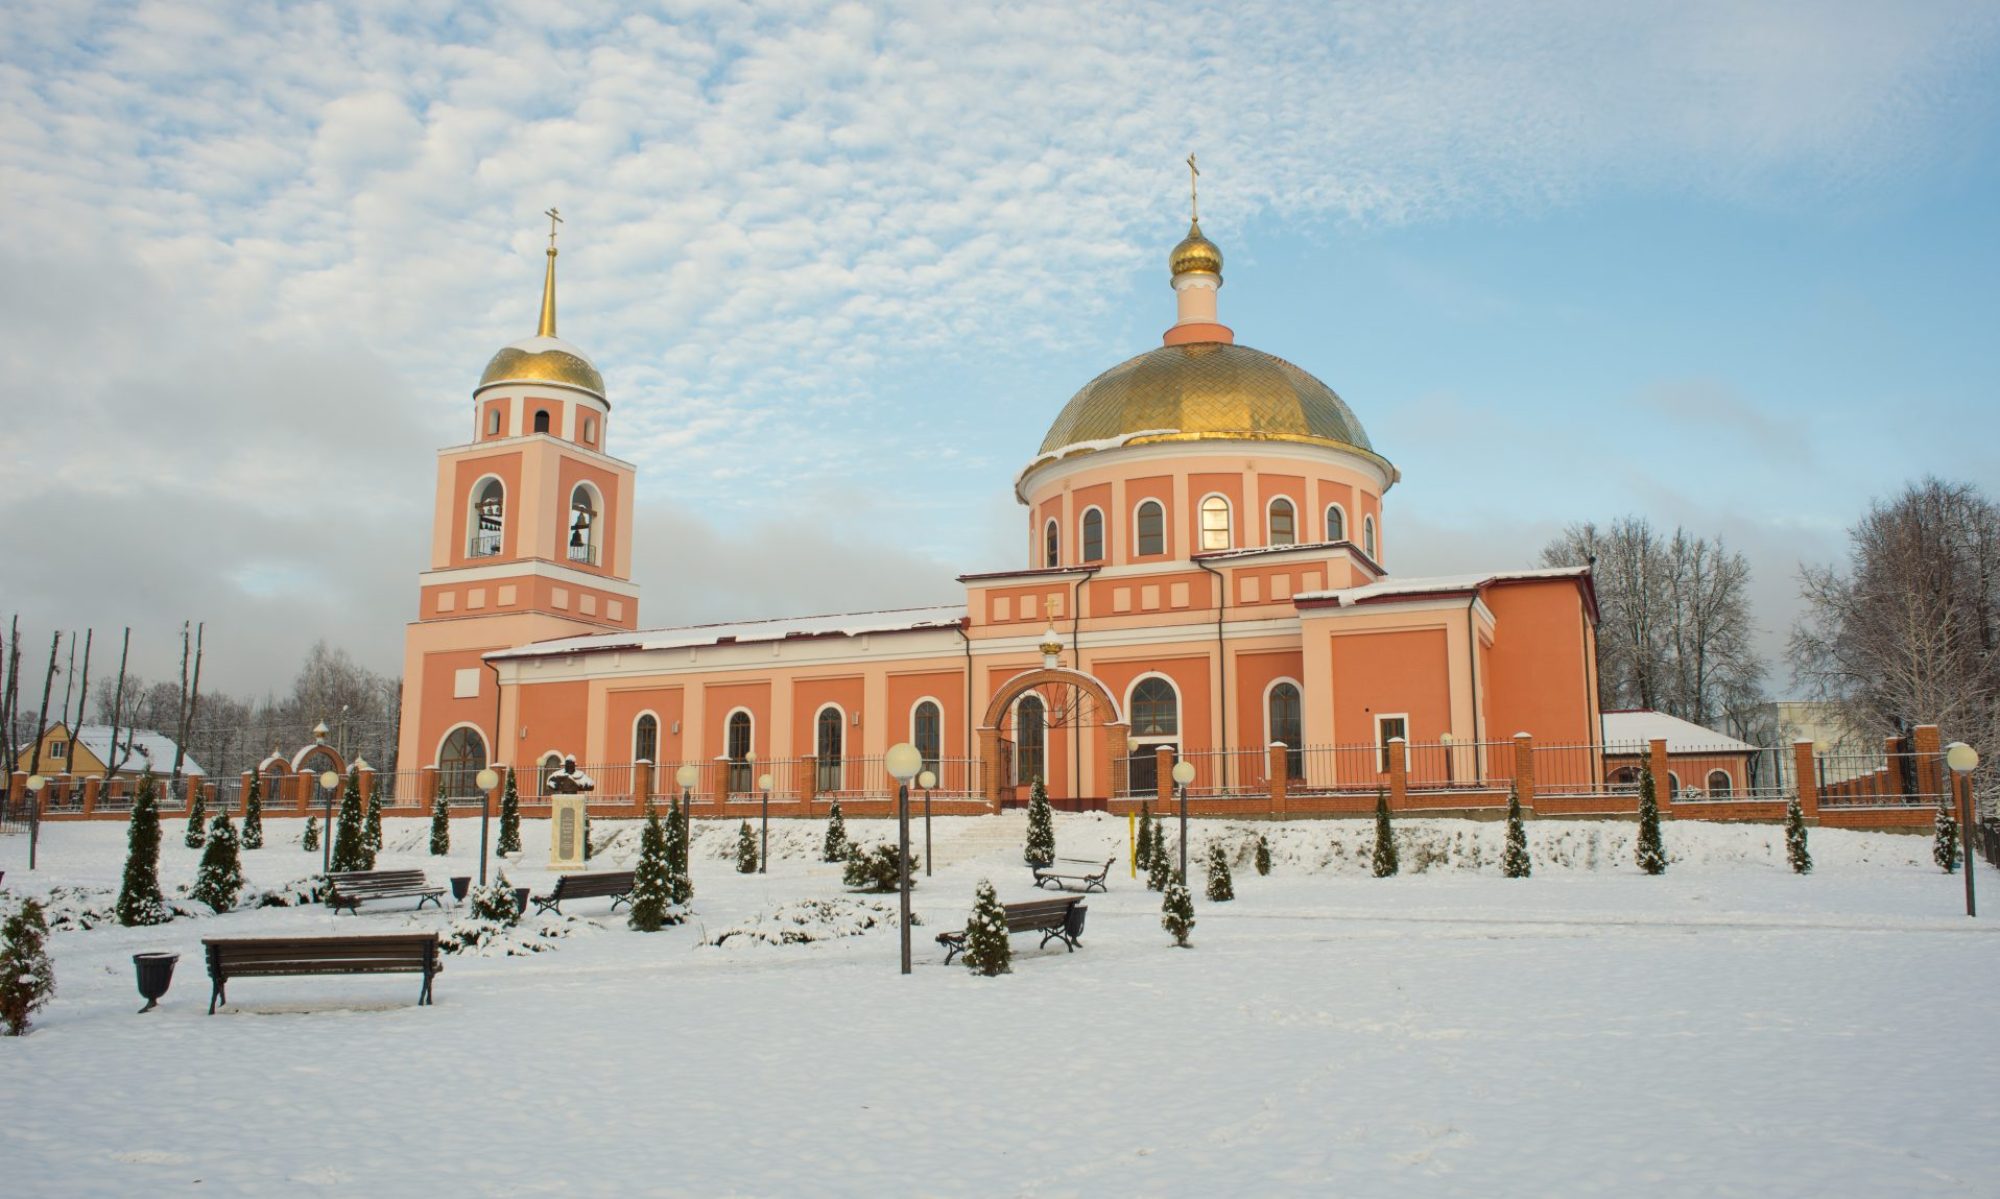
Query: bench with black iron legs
pixel 350 888
pixel 232 958
pixel 594 885
pixel 1068 874
pixel 1056 919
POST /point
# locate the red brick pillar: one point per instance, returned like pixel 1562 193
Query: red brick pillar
pixel 427 779
pixel 368 788
pixel 1163 776
pixel 642 785
pixel 244 790
pixel 1805 779
pixel 1928 747
pixel 499 789
pixel 92 788
pixel 809 777
pixel 17 787
pixel 1663 789
pixel 1399 774
pixel 1275 767
pixel 1524 769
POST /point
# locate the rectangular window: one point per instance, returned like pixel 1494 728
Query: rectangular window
pixel 1387 729
pixel 58 750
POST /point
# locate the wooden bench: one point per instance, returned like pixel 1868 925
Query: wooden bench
pixel 1056 919
pixel 596 884
pixel 269 957
pixel 348 888
pixel 1064 874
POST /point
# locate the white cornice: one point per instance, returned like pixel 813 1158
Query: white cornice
pixel 528 566
pixel 1046 473
pixel 472 449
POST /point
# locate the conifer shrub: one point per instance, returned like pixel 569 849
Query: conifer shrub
pixel 878 870
pixel 495 903
pixel 1649 851
pixel 1177 911
pixel 350 844
pixel 139 899
pixel 253 814
pixel 510 816
pixel 1221 888
pixel 1384 861
pixel 680 887
pixel 836 847
pixel 27 976
pixel 1795 838
pixel 197 824
pixel 371 829
pixel 440 819
pixel 653 905
pixel 1142 846
pixel 1516 863
pixel 746 850
pixel 221 877
pixel 987 950
pixel 1041 849
pixel 1944 839
pixel 1262 860
pixel 1160 869
pixel 309 841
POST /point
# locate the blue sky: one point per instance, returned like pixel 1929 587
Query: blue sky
pixel 1717 264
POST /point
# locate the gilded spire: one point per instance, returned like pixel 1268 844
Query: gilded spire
pixel 548 326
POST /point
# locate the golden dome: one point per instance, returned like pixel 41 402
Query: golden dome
pixel 1204 391
pixel 543 360
pixel 1195 255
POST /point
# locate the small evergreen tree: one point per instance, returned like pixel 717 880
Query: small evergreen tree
pixel 496 903
pixel 221 877
pixel 986 947
pixel 440 818
pixel 253 814
pixel 27 976
pixel 350 846
pixel 1041 849
pixel 1944 839
pixel 1384 861
pixel 680 888
pixel 836 845
pixel 1516 863
pixel 878 870
pixel 1221 888
pixel 1795 838
pixel 1649 851
pixel 746 850
pixel 1142 848
pixel 139 900
pixel 1263 858
pixel 510 816
pixel 197 825
pixel 1177 911
pixel 653 904
pixel 371 830
pixel 310 841
pixel 1160 870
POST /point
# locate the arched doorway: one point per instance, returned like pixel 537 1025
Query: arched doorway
pixel 1062 698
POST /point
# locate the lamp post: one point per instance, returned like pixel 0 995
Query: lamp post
pixel 1183 775
pixel 328 780
pixel 764 853
pixel 35 784
pixel 487 779
pixel 927 780
pixel 903 762
pixel 1963 759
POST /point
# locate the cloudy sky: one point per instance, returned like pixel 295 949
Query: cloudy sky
pixel 1729 265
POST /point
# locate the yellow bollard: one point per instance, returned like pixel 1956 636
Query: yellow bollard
pixel 1132 842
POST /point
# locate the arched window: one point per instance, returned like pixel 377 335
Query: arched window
pixel 590 430
pixel 1031 741
pixel 582 525
pixel 1152 528
pixel 646 739
pixel 489 518
pixel 541 420
pixel 1051 545
pixel 830 731
pixel 1720 784
pixel 1093 536
pixel 738 748
pixel 1155 712
pixel 1673 785
pixel 1336 523
pixel 1368 536
pixel 492 420
pixel 550 766
pixel 927 734
pixel 460 760
pixel 1215 523
pixel 1284 522
pixel 1286 723
pixel 1625 776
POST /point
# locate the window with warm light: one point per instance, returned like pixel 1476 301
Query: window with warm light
pixel 1215 523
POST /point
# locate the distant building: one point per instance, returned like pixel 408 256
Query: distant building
pixel 1700 761
pixel 1842 751
pixel 85 751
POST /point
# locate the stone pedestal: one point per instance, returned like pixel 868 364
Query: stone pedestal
pixel 566 832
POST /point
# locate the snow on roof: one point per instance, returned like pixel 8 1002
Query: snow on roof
pixel 1681 736
pixel 149 749
pixel 1401 588
pixel 845 624
pixel 1087 446
pixel 1257 550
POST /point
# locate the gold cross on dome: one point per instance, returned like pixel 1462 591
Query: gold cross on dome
pixel 1194 193
pixel 555 219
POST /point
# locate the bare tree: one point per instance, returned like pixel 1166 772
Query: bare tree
pixel 42 718
pixel 82 693
pixel 10 691
pixel 190 696
pixel 115 757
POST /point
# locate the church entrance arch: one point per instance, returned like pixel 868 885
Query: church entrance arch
pixel 1068 698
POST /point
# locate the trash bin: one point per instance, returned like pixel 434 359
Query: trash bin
pixel 156 974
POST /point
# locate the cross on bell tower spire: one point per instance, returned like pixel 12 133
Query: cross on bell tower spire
pixel 548 325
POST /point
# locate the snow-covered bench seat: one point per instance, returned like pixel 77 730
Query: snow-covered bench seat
pixel 267 957
pixel 593 885
pixel 1056 919
pixel 1066 874
pixel 348 888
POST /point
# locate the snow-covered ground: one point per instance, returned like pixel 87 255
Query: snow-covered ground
pixel 1727 1029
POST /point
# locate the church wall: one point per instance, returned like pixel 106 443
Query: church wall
pixel 622 708
pixel 555 718
pixel 947 687
pixel 456 507
pixel 1159 488
pixel 1251 675
pixel 1540 674
pixel 1099 497
pixel 719 700
pixel 1191 671
pixel 1388 672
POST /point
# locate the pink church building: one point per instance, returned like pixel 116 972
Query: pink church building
pixel 1205 575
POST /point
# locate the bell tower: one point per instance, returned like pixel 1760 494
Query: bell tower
pixel 531 539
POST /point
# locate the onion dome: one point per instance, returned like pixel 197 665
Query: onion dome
pixel 1195 255
pixel 544 358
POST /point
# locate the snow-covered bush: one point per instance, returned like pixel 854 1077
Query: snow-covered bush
pixel 1221 888
pixel 1041 848
pixel 1384 860
pixel 27 977
pixel 806 921
pixel 440 819
pixel 309 840
pixel 1944 839
pixel 350 835
pixel 253 814
pixel 1649 851
pixel 1795 838
pixel 836 846
pixel 197 823
pixel 221 878
pixel 1516 863
pixel 510 816
pixel 746 850
pixel 1263 856
pixel 987 950
pixel 1177 911
pixel 139 900
pixel 653 905
pixel 878 869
